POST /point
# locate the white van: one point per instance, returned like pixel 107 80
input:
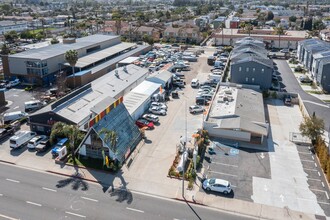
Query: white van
pixel 33 105
pixel 13 83
pixel 194 83
pixel 20 138
pixel 13 116
pixel 35 141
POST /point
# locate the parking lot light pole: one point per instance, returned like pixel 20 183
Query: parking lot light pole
pixel 184 151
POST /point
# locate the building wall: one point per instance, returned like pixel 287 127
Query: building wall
pixel 324 77
pixel 230 40
pixel 243 73
pixel 17 28
pixel 228 134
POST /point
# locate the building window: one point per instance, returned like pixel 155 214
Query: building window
pixel 247 79
pixel 252 79
pixel 254 69
pixel 240 69
pixel 247 69
pixel 262 70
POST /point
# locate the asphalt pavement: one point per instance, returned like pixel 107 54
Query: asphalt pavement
pixel 311 103
pixel 28 194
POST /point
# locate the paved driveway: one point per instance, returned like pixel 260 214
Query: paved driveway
pixel 311 103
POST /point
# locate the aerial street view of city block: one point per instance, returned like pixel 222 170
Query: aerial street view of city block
pixel 164 109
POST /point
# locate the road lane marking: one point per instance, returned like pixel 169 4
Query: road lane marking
pixel 315 164
pixel 318 173
pixel 16 107
pixel 326 193
pixel 135 210
pixel 52 190
pixel 227 174
pixel 304 153
pixel 313 157
pixel 94 200
pixel 33 203
pixel 322 184
pixel 7 217
pixel 11 180
pixel 75 214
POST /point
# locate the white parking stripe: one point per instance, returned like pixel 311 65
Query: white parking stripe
pixel 314 179
pixel 326 193
pixel 318 173
pixel 227 174
pixel 94 200
pixel 225 164
pixel 315 164
pixel 52 190
pixel 322 184
pixel 14 181
pixel 311 161
pixel 135 210
pixel 33 203
pixel 304 152
pixel 313 157
pixel 310 169
pixel 75 214
pixel 7 217
pixel 318 190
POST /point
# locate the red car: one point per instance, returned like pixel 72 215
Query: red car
pixel 144 123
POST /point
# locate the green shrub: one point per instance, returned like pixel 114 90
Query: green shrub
pixel 191 184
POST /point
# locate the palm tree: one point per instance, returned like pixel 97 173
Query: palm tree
pixel 222 25
pixel 5 50
pixel 111 137
pixel 71 56
pixel 279 31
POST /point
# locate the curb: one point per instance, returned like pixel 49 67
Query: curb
pixel 191 202
pixel 78 177
pixel 8 162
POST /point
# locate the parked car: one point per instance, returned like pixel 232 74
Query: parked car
pixel 196 109
pixel 201 101
pixel 61 143
pixel 43 145
pixel 205 96
pixel 179 84
pixel 13 83
pixel 217 185
pixel 7 131
pixel 159 104
pixel 157 111
pixel 194 83
pixel 35 141
pixel 151 117
pixel 141 123
pixel 305 79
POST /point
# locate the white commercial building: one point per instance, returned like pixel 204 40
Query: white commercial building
pixel 18 26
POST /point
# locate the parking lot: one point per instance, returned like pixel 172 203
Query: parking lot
pixel 16 98
pixel 238 166
pixel 286 176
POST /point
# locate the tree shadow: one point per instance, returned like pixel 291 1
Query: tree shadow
pixel 122 194
pixel 76 181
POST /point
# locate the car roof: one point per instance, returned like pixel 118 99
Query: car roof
pixel 222 182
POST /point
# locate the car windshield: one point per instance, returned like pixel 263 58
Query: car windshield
pixel 212 181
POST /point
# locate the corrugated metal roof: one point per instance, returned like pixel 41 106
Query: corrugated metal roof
pixel 59 49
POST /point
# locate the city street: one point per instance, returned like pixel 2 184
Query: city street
pixel 27 194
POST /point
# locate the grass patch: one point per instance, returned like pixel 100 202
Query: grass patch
pixel 92 163
pixel 36 31
pixel 327 101
pixel 315 92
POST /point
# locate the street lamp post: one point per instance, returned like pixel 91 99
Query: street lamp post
pixel 184 155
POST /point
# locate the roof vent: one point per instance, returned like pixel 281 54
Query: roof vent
pixel 117 74
pixel 125 69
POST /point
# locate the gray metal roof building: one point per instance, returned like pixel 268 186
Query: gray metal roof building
pixel 237 113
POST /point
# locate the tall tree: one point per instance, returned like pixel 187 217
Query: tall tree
pixel 312 127
pixel 269 16
pixel 279 31
pixel 5 50
pixel 71 56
